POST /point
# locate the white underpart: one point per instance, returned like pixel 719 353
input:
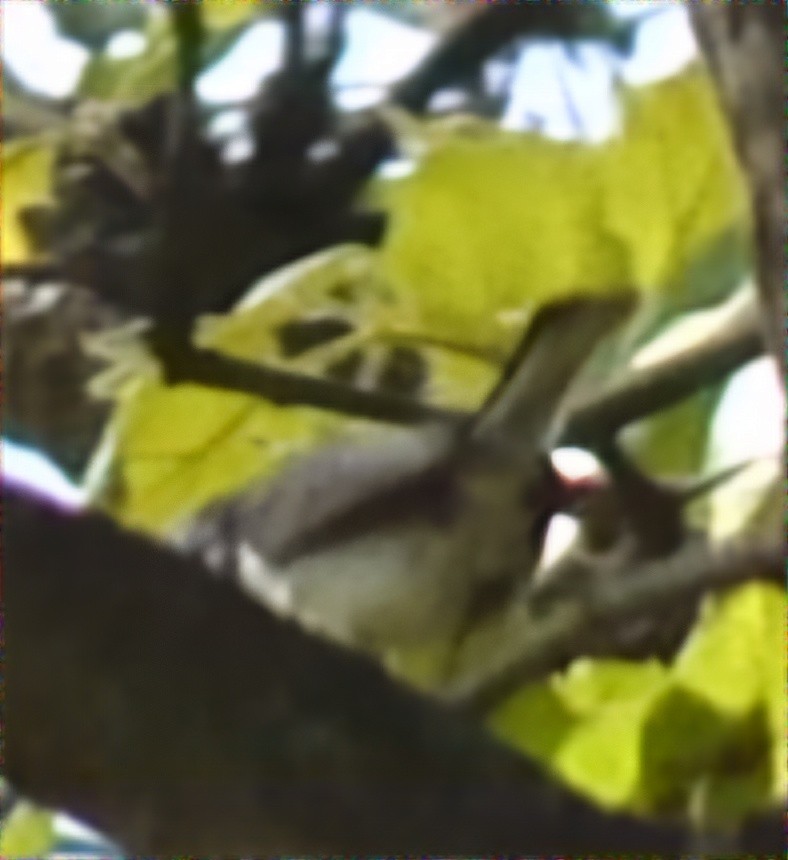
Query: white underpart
pixel 561 535
pixel 372 590
pixel 574 464
pixel 262 581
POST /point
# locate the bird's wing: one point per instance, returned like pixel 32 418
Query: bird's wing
pixel 342 488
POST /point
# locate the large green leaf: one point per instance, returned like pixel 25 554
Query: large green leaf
pixel 27 176
pixel 536 720
pixel 492 220
pixel 672 183
pixel 684 742
pixel 587 724
pixel 736 661
pixel 486 227
pixel 601 757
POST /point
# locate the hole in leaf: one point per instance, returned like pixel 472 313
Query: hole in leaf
pixel 299 336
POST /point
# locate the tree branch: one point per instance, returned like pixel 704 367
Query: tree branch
pixel 293 20
pixel 643 392
pixel 744 44
pixel 460 54
pixel 598 417
pixel 166 709
pixel 588 615
pixel 188 36
pixel 183 362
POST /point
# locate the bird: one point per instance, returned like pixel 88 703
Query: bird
pixel 401 540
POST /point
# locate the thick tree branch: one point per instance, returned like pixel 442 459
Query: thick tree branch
pixel 587 617
pixel 169 711
pixel 744 44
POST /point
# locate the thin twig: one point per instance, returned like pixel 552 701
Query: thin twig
pixel 289 388
pixel 180 200
pixel 293 17
pixel 594 420
pixel 459 55
pixel 188 35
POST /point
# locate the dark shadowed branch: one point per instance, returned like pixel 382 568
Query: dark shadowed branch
pixel 185 363
pixel 166 709
pixel 481 33
pixel 744 44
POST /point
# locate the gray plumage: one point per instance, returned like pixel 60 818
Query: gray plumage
pixel 387 542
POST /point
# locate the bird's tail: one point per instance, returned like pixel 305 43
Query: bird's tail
pixel 556 345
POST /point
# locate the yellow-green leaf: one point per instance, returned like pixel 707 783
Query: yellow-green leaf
pixel 27 832
pixel 536 720
pixel 737 649
pixel 586 724
pixel 601 756
pixel 672 183
pixel 492 221
pixel 27 176
pixel 486 227
pixel 683 742
pixel 591 685
pixel 736 660
pixel 218 14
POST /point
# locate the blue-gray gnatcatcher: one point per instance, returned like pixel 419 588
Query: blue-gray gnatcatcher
pixel 391 544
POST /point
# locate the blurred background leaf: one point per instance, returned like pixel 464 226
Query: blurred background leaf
pixel 650 737
pixel 736 661
pixel 28 831
pixel 27 166
pixel 94 24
